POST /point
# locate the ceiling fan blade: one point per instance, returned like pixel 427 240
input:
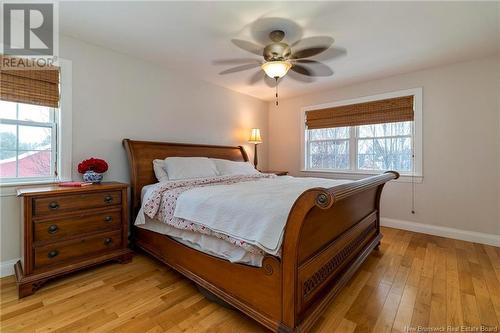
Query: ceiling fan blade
pixel 301 70
pixel 248 46
pixel 313 67
pixel 331 53
pixel 235 61
pixel 256 77
pixel 298 77
pixel 239 68
pixel 311 46
pixel 306 53
pixel 315 41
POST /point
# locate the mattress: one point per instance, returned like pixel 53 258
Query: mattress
pixel 205 243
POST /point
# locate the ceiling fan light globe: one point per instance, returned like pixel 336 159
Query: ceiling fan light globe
pixel 276 69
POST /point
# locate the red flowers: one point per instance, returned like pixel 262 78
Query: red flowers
pixel 94 164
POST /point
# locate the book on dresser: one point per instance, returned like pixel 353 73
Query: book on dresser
pixel 66 229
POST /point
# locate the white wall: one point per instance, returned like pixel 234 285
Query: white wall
pixel 461 148
pixel 116 96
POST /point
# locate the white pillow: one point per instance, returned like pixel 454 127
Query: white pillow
pixel 189 167
pixel 226 167
pixel 159 169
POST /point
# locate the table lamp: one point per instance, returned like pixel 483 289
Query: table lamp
pixel 255 139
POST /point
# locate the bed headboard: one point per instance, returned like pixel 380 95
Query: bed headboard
pixel 142 153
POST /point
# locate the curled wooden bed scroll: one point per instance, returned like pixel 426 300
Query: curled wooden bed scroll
pixel 329 233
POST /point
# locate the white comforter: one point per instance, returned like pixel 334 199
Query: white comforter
pixel 252 211
pixel 204 242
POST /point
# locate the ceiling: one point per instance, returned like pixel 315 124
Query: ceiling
pixel 373 39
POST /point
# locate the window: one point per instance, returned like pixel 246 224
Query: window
pixel 363 148
pixel 384 147
pixel 328 148
pixel 375 147
pixel 27 142
pixel 35 122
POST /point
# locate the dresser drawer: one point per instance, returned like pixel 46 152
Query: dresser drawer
pixel 53 205
pixel 57 229
pixel 64 251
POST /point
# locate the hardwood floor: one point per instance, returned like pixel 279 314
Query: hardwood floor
pixel 414 280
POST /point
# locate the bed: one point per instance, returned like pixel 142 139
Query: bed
pixel 329 232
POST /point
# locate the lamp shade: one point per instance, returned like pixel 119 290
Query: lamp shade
pixel 255 136
pixel 276 69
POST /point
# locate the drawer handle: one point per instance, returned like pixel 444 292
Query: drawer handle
pixel 52 254
pixel 108 199
pixel 108 219
pixel 53 205
pixel 53 229
pixel 108 241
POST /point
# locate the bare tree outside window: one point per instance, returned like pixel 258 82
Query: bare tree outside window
pixel 329 148
pixel 375 147
pixel 385 146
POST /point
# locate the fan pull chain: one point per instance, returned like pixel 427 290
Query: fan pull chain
pixel 277 100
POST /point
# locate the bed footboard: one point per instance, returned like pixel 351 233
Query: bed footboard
pixel 329 233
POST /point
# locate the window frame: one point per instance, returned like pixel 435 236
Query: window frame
pixel 62 134
pixel 52 124
pixel 353 172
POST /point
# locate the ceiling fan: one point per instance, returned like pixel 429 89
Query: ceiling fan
pixel 280 57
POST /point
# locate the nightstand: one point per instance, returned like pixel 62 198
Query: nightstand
pixel 277 173
pixel 66 229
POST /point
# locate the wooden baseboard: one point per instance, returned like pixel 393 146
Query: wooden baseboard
pixel 465 235
pixel 7 267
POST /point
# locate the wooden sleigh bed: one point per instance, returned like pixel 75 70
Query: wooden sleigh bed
pixel 329 233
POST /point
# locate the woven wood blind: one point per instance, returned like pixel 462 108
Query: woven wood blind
pixel 23 84
pixel 376 112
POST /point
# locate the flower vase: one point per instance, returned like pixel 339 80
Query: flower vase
pixel 91 176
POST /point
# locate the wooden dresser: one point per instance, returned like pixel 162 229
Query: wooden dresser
pixel 69 228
